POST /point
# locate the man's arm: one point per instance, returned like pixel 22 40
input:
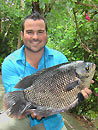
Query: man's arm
pixel 10 76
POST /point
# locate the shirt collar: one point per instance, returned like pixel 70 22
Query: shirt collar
pixel 48 52
pixel 21 56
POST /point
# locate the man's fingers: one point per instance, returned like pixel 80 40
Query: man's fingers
pixel 33 115
pixel 85 95
pixel 92 81
pixel 86 92
pixel 39 117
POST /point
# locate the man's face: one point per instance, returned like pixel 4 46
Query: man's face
pixel 34 35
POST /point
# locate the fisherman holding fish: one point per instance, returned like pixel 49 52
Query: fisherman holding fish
pixel 32 57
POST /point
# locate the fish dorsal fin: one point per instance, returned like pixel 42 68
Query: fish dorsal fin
pixel 28 81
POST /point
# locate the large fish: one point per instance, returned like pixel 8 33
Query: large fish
pixel 50 91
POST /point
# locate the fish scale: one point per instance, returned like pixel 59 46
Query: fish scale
pixel 50 91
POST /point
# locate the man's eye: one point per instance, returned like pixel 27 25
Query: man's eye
pixel 29 32
pixel 41 31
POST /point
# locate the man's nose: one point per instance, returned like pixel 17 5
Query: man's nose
pixel 35 36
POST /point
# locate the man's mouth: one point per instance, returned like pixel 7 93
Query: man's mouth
pixel 35 42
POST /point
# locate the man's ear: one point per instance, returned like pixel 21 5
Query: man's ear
pixel 22 34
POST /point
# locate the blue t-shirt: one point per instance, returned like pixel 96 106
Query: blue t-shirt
pixel 14 68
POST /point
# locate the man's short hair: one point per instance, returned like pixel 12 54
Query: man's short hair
pixel 34 16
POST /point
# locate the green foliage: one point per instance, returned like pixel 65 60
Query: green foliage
pixel 64 34
pixel 11 15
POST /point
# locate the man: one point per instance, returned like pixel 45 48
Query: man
pixel 30 58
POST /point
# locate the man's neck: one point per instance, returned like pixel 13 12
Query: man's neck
pixel 33 58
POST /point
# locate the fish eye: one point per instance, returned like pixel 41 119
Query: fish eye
pixel 87 68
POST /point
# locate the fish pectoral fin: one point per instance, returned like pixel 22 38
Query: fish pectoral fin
pixel 71 85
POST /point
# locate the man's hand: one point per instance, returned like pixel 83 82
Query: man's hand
pixel 86 92
pixel 32 115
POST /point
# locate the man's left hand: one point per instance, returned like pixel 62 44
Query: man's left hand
pixel 86 92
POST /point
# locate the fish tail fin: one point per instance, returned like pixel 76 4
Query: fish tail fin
pixel 14 103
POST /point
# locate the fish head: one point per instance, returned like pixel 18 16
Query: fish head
pixel 85 72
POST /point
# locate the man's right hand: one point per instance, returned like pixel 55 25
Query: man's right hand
pixel 32 115
pixel 37 117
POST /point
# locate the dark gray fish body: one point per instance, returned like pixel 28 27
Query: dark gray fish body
pixel 50 91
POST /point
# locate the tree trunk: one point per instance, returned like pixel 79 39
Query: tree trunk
pixel 36 7
pixel 19 38
pixel 0 21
